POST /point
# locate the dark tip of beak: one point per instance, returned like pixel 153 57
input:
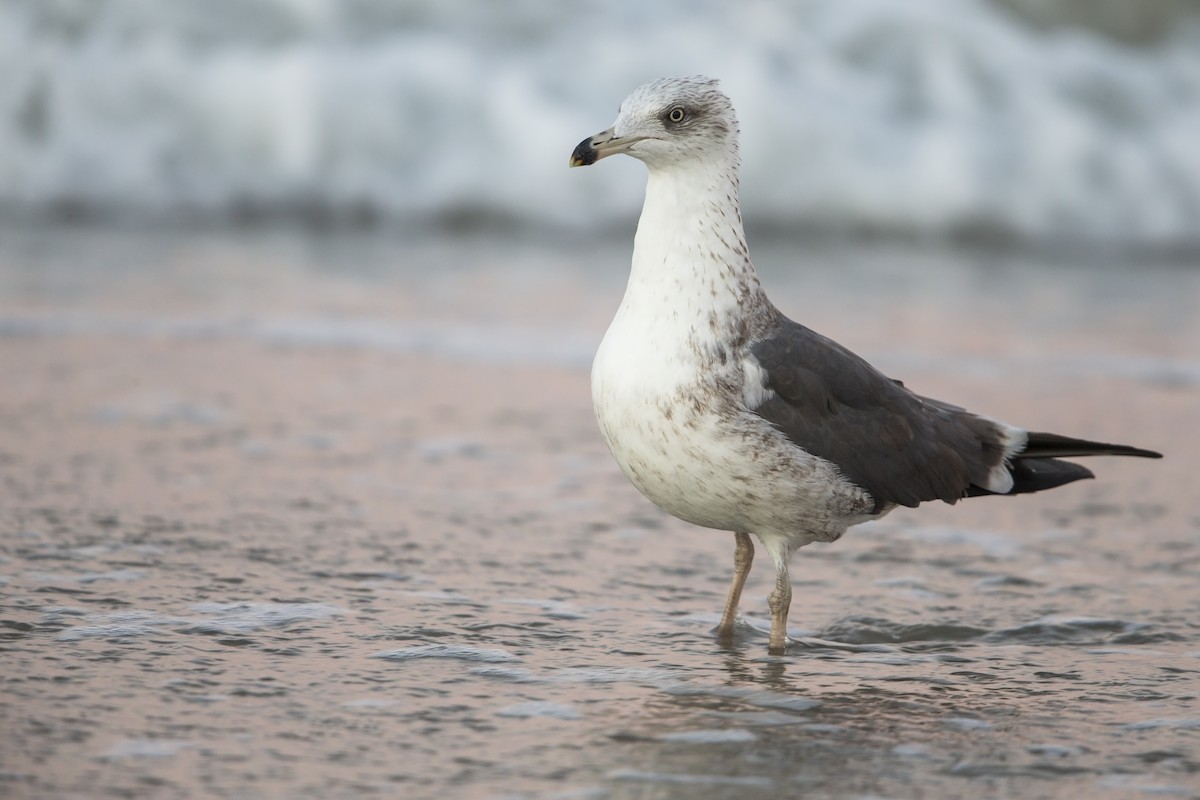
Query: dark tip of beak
pixel 584 155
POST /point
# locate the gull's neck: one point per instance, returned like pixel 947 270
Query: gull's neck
pixel 690 262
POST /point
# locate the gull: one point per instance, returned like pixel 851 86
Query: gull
pixel 729 415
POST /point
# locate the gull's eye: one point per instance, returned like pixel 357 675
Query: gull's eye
pixel 676 114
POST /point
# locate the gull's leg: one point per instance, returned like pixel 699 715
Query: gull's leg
pixel 743 557
pixel 779 602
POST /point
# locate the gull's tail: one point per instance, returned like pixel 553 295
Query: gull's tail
pixel 1039 465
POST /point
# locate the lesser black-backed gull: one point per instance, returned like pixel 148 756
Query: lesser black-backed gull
pixel 729 415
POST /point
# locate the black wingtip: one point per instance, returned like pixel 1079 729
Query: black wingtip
pixel 1036 474
pixel 1053 445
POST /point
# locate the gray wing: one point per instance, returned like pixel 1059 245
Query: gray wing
pixel 900 447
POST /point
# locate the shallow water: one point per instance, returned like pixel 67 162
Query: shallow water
pixel 330 518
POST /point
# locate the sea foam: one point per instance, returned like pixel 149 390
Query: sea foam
pixel 927 118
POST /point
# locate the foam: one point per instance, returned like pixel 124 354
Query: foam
pixel 923 118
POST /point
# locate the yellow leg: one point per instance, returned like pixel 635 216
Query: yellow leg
pixel 779 601
pixel 743 557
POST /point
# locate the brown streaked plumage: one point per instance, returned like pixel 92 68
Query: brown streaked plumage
pixel 727 414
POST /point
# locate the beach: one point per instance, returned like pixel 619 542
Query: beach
pixel 327 515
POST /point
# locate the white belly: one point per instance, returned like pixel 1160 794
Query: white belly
pixel 691 446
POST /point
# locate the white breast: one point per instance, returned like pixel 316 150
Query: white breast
pixel 672 395
pixel 673 382
pixel 694 449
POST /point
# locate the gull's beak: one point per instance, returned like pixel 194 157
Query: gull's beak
pixel 605 143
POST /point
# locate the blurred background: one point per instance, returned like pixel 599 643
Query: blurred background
pixel 1029 121
pixel 301 493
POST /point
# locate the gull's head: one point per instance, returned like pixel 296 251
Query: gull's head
pixel 670 121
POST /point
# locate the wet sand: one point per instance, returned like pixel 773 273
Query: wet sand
pixel 330 518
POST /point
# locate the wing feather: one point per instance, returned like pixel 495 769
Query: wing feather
pixel 900 447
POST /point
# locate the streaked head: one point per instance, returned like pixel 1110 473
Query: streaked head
pixel 668 121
